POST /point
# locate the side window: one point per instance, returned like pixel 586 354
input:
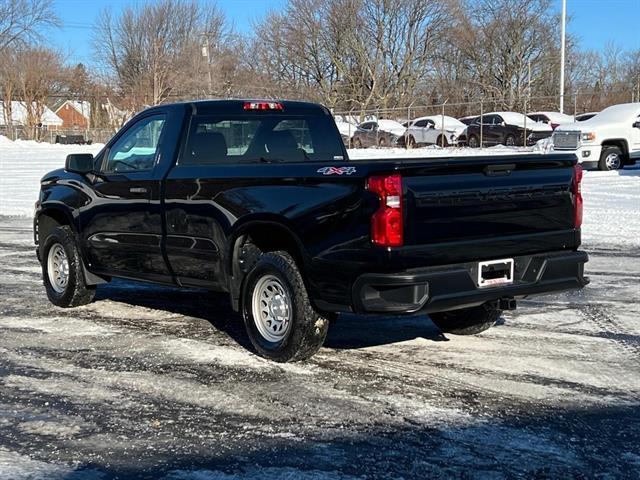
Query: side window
pixel 420 123
pixel 497 120
pixel 137 148
pixel 367 126
pixel 430 124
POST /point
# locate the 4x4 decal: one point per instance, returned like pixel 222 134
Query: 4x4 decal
pixel 337 170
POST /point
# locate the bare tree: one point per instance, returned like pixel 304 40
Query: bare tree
pixel 8 83
pixel 40 75
pixel 154 50
pixel 352 52
pixel 21 21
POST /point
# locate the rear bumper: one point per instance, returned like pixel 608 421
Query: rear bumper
pixel 449 287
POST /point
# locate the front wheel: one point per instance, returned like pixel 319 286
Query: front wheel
pixel 610 158
pixel 278 316
pixel 442 141
pixel 62 271
pixel 467 321
pixel 473 141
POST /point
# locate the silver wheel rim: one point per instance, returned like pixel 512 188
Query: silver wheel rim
pixel 612 161
pixel 271 308
pixel 473 142
pixel 58 268
pixel 510 141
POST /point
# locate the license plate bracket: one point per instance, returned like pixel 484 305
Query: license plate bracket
pixel 494 273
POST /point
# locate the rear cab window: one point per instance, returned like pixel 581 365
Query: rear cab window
pixel 263 138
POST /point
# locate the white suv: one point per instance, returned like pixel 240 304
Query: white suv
pixel 434 130
pixel 608 141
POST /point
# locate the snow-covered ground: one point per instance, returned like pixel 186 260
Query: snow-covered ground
pixel 612 199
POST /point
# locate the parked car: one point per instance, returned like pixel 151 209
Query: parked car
pixel 71 139
pixel 585 116
pixel 506 128
pixel 259 199
pixel 382 133
pixel 553 119
pixel 429 131
pixel 608 141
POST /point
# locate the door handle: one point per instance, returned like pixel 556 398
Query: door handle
pixel 138 190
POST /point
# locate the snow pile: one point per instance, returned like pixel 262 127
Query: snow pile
pixel 22 164
pixel 612 208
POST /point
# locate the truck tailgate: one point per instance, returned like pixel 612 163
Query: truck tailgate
pixel 478 207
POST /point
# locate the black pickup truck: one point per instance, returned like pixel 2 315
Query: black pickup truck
pixel 259 199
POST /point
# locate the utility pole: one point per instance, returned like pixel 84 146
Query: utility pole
pixel 562 45
pixel 207 55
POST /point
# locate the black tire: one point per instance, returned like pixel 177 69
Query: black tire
pixel 357 143
pixel 382 142
pixel 467 321
pixel 473 141
pixel 307 328
pixel 442 141
pixel 75 291
pixel 610 158
pixel 411 142
pixel 510 141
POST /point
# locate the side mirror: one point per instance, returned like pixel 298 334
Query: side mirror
pixel 636 124
pixel 79 163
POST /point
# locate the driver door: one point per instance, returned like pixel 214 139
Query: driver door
pixel 122 225
pixel 429 134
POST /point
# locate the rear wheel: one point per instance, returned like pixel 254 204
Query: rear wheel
pixel 510 141
pixel 467 321
pixel 610 158
pixel 382 142
pixel 62 271
pixel 411 142
pixel 473 141
pixel 278 316
pixel 357 143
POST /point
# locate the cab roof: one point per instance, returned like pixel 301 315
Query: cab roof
pixel 236 106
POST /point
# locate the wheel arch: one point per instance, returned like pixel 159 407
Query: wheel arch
pixel 50 217
pixel 621 143
pixel 256 236
pixel 53 216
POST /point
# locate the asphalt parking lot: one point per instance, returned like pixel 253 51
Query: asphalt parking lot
pixel 154 382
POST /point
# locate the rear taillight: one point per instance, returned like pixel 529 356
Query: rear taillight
pixel 577 196
pixel 387 222
pixel 554 125
pixel 263 106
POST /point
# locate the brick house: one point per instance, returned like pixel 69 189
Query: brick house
pixel 75 114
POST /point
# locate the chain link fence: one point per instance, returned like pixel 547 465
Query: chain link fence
pixel 58 135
